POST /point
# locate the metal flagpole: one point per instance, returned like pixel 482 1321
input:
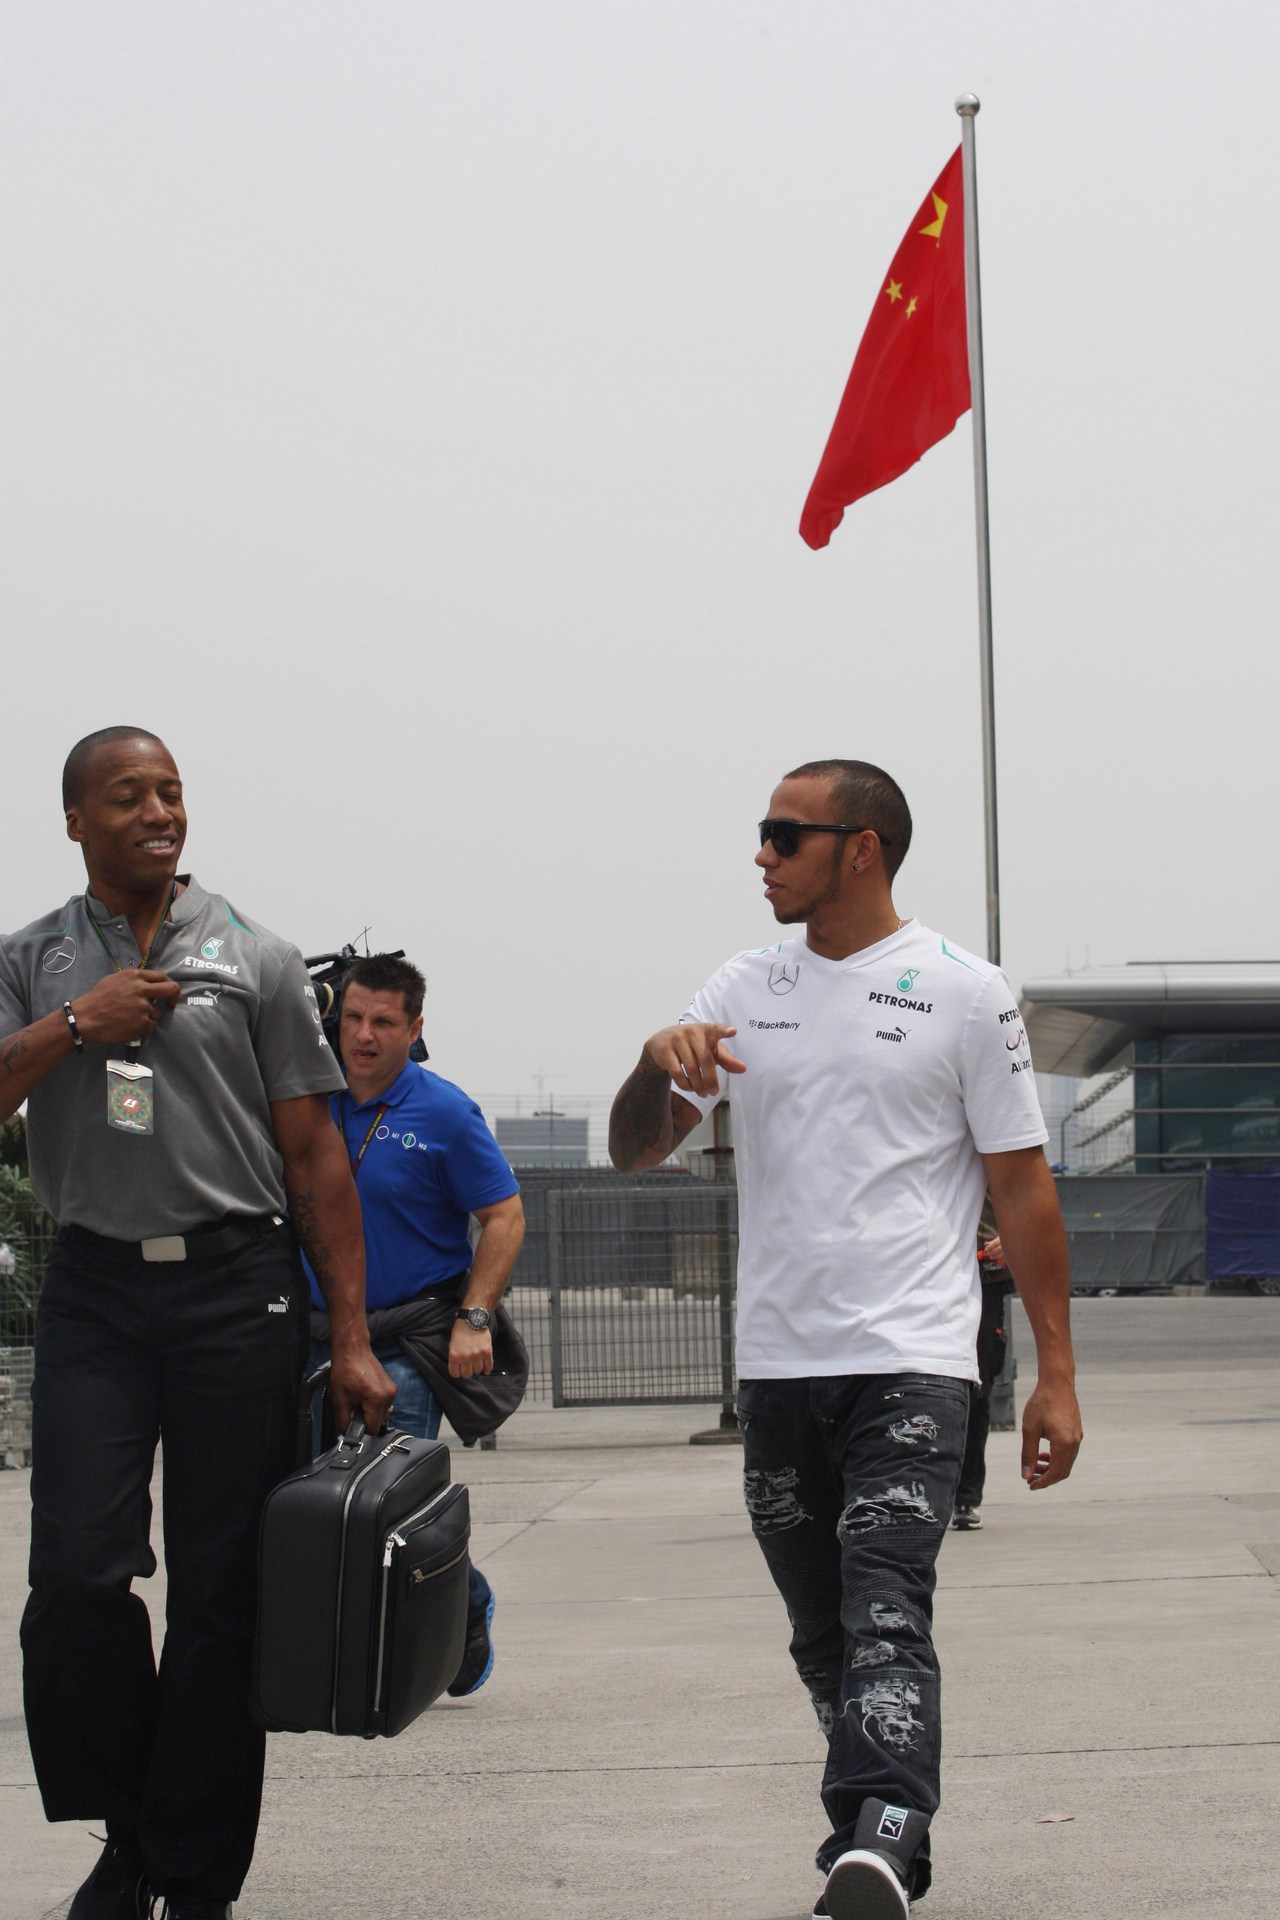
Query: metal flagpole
pixel 1003 1407
pixel 967 107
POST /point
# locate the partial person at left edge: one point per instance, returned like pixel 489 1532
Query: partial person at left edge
pixel 177 1080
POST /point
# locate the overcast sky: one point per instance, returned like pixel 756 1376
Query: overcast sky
pixel 407 412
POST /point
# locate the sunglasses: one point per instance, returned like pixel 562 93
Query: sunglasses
pixel 785 834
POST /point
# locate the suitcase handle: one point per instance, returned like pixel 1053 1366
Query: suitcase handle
pixel 348 1444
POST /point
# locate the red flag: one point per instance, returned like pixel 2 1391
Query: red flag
pixel 910 380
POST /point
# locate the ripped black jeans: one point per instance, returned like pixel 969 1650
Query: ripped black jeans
pixel 850 1483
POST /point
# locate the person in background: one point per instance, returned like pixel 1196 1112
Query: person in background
pixel 425 1164
pixel 993 1347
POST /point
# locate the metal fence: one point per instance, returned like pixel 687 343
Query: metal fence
pixel 16 1373
pixel 624 1289
pixel 24 1255
pixel 640 1295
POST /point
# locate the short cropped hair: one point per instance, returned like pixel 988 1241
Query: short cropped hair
pixel 77 762
pixel 866 796
pixel 390 973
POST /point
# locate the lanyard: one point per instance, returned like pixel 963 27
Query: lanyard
pixel 93 921
pixel 374 1124
pixel 131 1051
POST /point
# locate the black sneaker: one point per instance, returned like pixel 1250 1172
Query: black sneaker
pixel 967 1519
pixel 188 1906
pixel 864 1885
pixel 477 1654
pixel 869 1881
pixel 117 1888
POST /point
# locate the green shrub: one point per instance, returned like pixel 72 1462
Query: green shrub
pixel 28 1232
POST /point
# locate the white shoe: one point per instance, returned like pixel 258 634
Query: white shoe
pixel 863 1885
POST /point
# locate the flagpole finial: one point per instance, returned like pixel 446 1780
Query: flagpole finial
pixel 967 105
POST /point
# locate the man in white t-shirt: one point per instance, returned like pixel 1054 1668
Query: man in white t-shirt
pixel 880 1080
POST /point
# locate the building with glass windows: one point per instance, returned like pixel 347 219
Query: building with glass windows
pixel 1202 1042
pixel 1181 1099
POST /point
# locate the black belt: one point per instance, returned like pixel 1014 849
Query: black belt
pixel 197 1243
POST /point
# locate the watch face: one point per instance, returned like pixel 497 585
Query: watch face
pixel 476 1317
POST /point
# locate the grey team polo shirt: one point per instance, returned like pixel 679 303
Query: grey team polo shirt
pixel 245 1032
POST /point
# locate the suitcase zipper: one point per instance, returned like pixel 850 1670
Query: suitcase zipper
pixel 398 1444
pixel 394 1540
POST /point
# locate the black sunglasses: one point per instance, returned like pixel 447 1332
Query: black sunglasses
pixel 785 834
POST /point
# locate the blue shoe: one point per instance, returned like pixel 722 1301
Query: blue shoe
pixel 477 1654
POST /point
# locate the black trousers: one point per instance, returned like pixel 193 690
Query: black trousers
pixel 992 1349
pixel 206 1357
pixel 849 1484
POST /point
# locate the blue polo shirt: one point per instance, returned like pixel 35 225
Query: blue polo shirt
pixel 430 1163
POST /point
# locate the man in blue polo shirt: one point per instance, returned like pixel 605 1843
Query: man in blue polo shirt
pixel 424 1163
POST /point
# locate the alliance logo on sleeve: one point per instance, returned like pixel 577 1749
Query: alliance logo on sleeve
pixel 323 1038
pixel 1018 1044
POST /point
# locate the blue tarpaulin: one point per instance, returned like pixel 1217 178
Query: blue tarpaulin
pixel 1242 1224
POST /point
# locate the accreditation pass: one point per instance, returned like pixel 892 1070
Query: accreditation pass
pixel 131 1097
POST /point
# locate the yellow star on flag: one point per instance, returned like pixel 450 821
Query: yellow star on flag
pixel 894 291
pixel 911 306
pixel 934 229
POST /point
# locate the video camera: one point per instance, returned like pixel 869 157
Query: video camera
pixel 328 971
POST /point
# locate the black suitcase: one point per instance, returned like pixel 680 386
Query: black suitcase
pixel 362 1587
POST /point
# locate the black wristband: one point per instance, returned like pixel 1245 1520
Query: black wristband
pixel 74 1026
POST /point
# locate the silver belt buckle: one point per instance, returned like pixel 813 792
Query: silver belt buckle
pixel 165 1246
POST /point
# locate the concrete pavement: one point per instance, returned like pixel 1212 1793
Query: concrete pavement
pixel 644 1749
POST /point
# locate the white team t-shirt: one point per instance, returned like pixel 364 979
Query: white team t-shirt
pixel 873 1084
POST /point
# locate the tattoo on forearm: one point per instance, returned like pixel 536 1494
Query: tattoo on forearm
pixel 306 1222
pixel 640 1122
pixel 12 1054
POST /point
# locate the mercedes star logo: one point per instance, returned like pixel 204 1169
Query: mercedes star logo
pixel 59 958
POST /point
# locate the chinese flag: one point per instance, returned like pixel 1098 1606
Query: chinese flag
pixel 910 380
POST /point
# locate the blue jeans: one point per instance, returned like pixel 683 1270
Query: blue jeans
pixel 416 1412
pixel 850 1483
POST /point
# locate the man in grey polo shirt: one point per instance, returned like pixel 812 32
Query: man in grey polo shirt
pixel 176 1077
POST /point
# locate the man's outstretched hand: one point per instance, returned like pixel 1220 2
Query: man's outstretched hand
pixel 690 1055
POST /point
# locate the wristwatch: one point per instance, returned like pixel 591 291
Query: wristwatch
pixel 476 1317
